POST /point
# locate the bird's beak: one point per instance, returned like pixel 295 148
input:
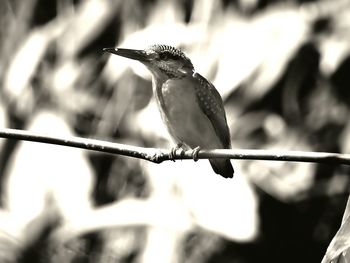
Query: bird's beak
pixel 128 53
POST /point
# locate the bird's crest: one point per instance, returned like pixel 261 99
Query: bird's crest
pixel 169 52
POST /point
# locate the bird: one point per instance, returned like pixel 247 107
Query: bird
pixel 190 106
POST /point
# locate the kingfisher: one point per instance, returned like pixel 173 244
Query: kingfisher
pixel 190 106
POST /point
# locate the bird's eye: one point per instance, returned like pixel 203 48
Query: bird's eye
pixel 163 56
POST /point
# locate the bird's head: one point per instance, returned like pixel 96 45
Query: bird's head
pixel 162 60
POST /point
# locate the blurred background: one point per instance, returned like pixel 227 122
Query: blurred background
pixel 283 70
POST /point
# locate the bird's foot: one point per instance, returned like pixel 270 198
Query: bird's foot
pixel 174 151
pixel 195 152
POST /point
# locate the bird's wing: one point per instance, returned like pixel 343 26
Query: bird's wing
pixel 212 105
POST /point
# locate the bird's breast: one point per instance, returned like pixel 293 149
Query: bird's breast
pixel 183 116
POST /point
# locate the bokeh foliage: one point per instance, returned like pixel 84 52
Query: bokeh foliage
pixel 281 66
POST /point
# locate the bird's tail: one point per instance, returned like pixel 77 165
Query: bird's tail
pixel 222 167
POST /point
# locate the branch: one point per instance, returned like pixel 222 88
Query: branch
pixel 159 155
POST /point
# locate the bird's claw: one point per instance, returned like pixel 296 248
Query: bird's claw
pixel 195 153
pixel 174 150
